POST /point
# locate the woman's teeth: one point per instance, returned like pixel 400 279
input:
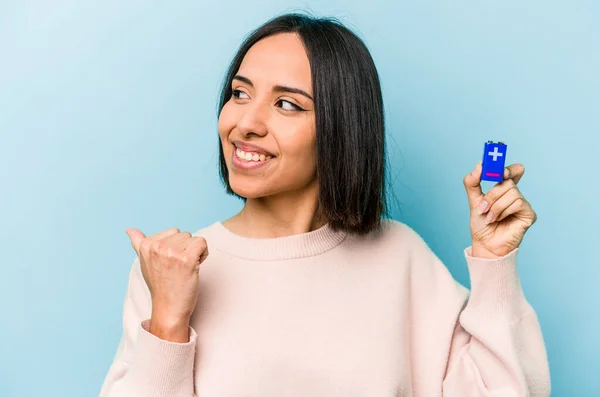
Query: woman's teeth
pixel 250 156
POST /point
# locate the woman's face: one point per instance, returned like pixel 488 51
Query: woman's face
pixel 267 128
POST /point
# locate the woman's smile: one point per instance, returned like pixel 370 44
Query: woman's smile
pixel 248 160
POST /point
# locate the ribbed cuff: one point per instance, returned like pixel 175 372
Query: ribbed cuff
pixel 495 286
pixel 163 368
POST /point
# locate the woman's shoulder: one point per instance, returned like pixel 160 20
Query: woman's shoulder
pixel 403 242
pixel 393 235
pixel 398 231
pixel 207 230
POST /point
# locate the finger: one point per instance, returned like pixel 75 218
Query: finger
pixel 175 237
pixel 514 172
pixel 178 241
pixel 514 208
pixel 502 203
pixel 472 183
pixel 165 233
pixel 198 248
pixel 136 237
pixel 494 194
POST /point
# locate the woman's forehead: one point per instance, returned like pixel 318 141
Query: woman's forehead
pixel 280 59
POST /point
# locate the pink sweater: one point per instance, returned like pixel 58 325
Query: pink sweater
pixel 326 314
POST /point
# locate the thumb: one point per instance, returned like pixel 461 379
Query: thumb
pixel 472 184
pixel 136 238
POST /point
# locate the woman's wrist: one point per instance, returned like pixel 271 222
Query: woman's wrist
pixel 479 252
pixel 172 330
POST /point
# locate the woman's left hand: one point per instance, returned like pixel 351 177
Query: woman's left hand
pixel 500 218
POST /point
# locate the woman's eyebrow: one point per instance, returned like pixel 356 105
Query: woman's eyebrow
pixel 277 88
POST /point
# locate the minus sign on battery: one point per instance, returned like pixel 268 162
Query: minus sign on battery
pixel 491 174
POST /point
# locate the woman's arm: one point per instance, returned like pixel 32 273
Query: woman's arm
pixel 483 342
pixel 144 364
pixel 497 347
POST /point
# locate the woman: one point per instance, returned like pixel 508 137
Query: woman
pixel 307 291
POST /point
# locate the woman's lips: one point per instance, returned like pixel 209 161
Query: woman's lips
pixel 246 165
pixel 249 147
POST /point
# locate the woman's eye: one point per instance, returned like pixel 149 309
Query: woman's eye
pixel 287 105
pixel 238 94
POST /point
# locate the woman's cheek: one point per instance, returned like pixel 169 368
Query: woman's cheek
pixel 309 147
pixel 226 119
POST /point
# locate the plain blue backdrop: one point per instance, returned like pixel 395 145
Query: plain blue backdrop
pixel 108 121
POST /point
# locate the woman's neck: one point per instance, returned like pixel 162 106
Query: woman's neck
pixel 269 217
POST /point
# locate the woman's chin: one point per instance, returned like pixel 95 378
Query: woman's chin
pixel 248 192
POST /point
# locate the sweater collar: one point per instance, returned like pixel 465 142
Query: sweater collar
pixel 294 246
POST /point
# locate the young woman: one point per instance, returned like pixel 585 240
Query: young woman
pixel 308 290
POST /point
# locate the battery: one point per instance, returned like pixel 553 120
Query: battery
pixel 494 158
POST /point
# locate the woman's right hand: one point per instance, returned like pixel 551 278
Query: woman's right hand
pixel 170 263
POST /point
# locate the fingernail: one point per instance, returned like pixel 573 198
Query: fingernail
pixel 490 217
pixel 506 173
pixel 482 207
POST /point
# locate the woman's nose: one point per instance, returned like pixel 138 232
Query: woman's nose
pixel 253 120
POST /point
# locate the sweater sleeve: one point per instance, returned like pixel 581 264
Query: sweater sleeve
pixel 486 342
pixel 497 348
pixel 145 365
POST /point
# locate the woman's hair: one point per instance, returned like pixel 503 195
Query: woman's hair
pixel 349 118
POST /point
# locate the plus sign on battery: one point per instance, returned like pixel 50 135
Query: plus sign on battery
pixel 495 153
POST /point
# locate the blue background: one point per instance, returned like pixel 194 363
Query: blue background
pixel 108 121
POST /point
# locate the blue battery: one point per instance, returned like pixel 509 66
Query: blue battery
pixel 494 158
